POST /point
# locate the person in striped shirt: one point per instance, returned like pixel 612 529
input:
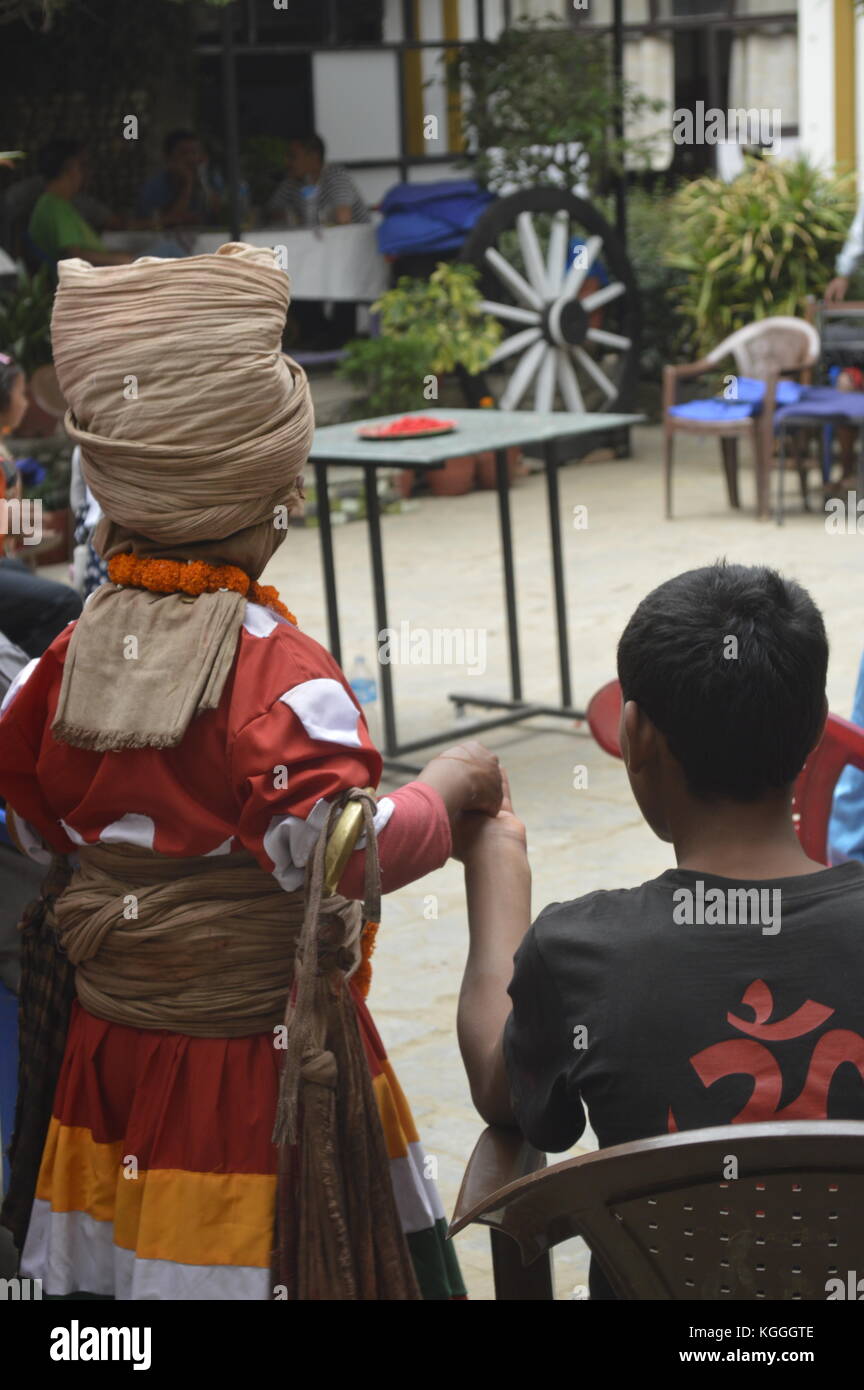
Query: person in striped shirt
pixel 314 192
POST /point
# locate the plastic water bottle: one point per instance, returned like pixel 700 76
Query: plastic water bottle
pixel 365 688
pixel 310 203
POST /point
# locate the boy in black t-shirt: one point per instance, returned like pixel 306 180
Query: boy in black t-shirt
pixel 729 989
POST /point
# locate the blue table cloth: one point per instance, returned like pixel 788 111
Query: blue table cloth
pixel 749 395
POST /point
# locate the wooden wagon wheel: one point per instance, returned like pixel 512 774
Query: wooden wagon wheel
pixel 556 275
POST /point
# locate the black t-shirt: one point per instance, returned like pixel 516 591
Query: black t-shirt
pixel 692 1000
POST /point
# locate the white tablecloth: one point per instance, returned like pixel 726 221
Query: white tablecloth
pixel 341 263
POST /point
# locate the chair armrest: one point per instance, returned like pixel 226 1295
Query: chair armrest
pixel 672 373
pixel 501 1157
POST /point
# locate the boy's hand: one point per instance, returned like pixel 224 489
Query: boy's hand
pixel 467 778
pixel 474 834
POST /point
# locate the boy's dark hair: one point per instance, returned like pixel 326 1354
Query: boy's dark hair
pixel 175 138
pixel 54 157
pixel 311 142
pixel 9 371
pixel 741 717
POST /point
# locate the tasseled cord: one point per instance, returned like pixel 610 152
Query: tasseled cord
pixel 302 1052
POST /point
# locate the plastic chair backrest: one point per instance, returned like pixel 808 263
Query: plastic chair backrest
pixel 603 714
pixel 776 344
pixel 841 744
pixel 666 1224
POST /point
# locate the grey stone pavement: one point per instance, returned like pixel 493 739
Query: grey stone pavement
pixel 443 568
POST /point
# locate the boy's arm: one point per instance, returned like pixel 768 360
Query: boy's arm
pixel 498 889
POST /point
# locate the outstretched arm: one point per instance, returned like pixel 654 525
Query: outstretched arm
pixel 498 889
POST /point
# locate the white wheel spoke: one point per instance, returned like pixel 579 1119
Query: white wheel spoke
pixel 522 377
pixel 556 254
pixel 517 343
pixel 594 301
pixel 614 340
pixel 511 277
pixel 569 383
pixel 511 312
pixel 585 258
pixel 593 370
pixel 531 255
pixel 544 391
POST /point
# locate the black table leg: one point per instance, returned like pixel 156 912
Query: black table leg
pixel 325 531
pixel 558 571
pixel 860 463
pixel 503 483
pixel 781 469
pixel 373 517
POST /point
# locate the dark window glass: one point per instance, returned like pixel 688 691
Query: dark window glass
pixel 304 22
pixel 359 21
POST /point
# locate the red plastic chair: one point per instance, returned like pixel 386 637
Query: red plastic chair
pixel 603 714
pixel 842 744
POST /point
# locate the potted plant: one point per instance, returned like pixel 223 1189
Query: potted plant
pixel 53 493
pixel 25 332
pixel 389 374
pixel 445 314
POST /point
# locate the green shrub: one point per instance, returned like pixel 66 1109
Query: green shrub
pixel 756 246
pixel 25 320
pixel 388 373
pixel 445 312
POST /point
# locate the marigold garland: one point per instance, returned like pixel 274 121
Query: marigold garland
pixel 362 977
pixel 192 577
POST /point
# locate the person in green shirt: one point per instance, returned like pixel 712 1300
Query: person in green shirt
pixel 56 227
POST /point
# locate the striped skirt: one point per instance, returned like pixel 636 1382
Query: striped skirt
pixel 158 1179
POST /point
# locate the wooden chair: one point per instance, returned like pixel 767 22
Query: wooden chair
pixel 738 1212
pixel 767 349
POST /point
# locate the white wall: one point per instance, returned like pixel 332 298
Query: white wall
pixel 356 104
pixel 816 80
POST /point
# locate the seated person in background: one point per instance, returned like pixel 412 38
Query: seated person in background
pixel 32 610
pixel 313 192
pixel 180 194
pixel 731 988
pixel 57 229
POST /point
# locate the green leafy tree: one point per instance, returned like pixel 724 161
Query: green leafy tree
pixel 531 95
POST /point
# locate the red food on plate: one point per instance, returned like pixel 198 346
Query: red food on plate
pixel 408 426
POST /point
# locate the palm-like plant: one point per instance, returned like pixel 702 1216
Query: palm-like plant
pixel 758 245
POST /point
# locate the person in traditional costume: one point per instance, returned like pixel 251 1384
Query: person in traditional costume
pixel 205 1108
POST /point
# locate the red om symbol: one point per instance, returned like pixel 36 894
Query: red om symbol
pixel 737 1056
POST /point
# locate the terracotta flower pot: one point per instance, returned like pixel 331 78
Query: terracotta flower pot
pixel 456 477
pixel 405 482
pixel 56 537
pixel 487 474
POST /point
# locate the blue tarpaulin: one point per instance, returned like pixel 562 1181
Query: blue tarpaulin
pixel 423 217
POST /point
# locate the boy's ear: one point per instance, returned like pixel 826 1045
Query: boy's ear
pixel 637 736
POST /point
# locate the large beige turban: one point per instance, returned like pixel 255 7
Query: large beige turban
pixel 194 430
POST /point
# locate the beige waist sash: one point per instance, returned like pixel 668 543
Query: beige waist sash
pixel 203 946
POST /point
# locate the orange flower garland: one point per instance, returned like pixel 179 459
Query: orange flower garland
pixel 362 977
pixel 192 577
